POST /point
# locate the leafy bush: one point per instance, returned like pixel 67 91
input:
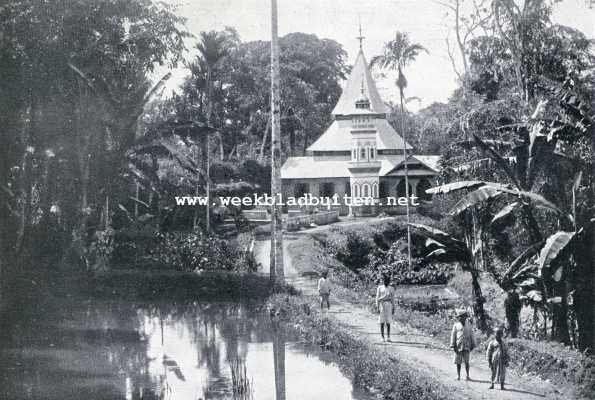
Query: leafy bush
pixel 196 251
pixel 221 172
pixel 179 287
pixel 355 254
pixel 254 172
pixel 394 264
pixel 555 362
pixel 101 249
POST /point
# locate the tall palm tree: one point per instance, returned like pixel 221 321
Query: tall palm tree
pixel 397 54
pixel 213 47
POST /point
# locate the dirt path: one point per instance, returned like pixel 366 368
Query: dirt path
pixel 419 350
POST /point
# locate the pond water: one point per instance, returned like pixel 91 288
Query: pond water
pixel 118 350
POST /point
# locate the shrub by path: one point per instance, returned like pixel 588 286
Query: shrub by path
pixel 418 350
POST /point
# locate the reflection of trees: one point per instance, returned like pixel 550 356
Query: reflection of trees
pixel 279 361
pixel 113 335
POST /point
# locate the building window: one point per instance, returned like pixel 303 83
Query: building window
pixel 355 190
pixel 365 190
pixel 327 189
pixel 401 189
pixel 375 190
pixel 362 154
pixel 372 153
pixel 348 188
pixel 301 189
pixel 383 190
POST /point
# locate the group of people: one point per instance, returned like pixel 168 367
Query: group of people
pixel 462 340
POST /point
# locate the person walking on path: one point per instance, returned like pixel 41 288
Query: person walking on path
pixel 462 342
pixel 497 355
pixel 324 291
pixel 385 295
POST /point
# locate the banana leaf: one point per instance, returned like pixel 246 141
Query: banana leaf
pixel 477 196
pixel 552 248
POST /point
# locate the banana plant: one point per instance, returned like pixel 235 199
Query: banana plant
pixel 541 268
pixel 444 247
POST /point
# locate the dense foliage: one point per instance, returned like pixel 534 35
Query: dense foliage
pixel 90 150
pixel 383 253
pixel 76 76
pixel 518 166
pixel 198 252
pixel 393 263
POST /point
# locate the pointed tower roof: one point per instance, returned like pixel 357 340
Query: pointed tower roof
pixel 359 78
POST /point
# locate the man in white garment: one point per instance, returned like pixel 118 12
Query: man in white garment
pixel 385 296
pixel 324 291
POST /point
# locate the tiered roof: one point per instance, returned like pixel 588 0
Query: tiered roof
pixel 360 86
pixel 353 91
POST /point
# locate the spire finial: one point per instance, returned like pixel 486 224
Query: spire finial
pixel 360 37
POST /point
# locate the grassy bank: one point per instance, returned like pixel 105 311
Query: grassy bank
pixel 174 285
pixel 29 298
pixel 561 365
pixel 368 367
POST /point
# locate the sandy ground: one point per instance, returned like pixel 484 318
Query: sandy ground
pixel 420 351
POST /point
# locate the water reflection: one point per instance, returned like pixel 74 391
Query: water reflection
pixel 96 350
pixel 279 361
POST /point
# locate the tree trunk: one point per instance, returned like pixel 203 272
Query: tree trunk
pixel 265 137
pixel 560 315
pixel 478 310
pixel 305 148
pixel 27 180
pixel 291 142
pixel 4 211
pixel 221 153
pixel 277 270
pixel 80 238
pixel 207 148
pixel 404 136
pixel 460 40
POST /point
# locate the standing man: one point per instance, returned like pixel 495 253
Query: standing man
pixel 324 291
pixel 385 295
pixel 462 342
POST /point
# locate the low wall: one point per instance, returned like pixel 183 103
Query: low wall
pixel 294 223
pixel 325 218
pixel 255 214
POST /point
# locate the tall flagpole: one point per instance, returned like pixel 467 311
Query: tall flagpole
pixel 276 267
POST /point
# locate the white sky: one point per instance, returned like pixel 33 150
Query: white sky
pixel 430 77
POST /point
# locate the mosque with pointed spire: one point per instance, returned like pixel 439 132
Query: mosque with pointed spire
pixel 360 154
